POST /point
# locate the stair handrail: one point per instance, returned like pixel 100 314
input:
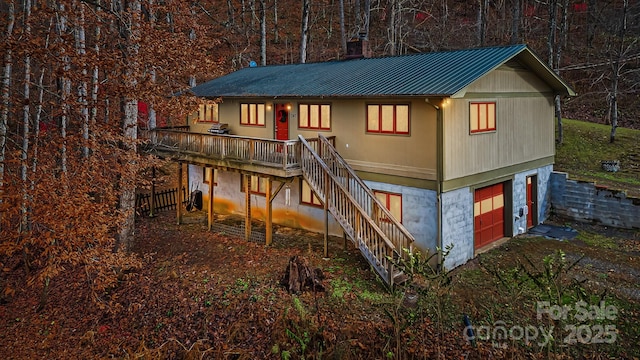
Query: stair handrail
pixel 408 244
pixel 389 244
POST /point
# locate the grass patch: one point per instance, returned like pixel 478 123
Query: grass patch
pixel 597 240
pixel 586 144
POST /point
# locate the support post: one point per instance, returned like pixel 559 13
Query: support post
pixel 152 203
pixel 247 198
pixel 210 205
pixel 180 195
pixel 269 214
pixel 327 196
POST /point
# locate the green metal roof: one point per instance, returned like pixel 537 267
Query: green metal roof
pixel 425 74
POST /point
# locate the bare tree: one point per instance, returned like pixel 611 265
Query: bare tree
pixel 263 33
pixel 6 92
pixel 131 30
pixel 304 31
pixel 618 51
pixel 343 34
pixel 515 21
pixel 483 8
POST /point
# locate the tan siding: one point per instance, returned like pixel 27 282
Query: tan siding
pixel 524 132
pixel 507 80
pixel 411 155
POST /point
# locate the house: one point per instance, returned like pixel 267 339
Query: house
pixel 455 148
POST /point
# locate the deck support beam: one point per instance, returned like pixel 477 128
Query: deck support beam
pixel 269 210
pixel 327 196
pixel 247 202
pixel 212 184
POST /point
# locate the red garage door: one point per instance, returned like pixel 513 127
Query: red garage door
pixel 488 212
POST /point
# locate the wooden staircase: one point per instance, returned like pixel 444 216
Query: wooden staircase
pixel 380 237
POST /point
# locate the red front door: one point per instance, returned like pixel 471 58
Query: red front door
pixel 531 205
pixel 282 121
pixel 488 213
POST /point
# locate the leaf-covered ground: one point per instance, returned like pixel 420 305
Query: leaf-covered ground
pixel 205 295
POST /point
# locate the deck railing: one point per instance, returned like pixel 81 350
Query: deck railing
pixel 284 154
pixel 356 222
pixel 265 152
pixel 395 231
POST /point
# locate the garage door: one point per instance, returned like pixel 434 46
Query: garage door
pixel 488 212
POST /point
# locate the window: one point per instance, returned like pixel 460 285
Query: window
pixel 252 114
pixel 392 201
pixel 205 176
pixel 482 117
pixel 388 119
pixel 258 185
pixel 208 113
pixel 314 116
pixel 307 196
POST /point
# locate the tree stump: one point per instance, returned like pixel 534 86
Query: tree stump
pixel 299 276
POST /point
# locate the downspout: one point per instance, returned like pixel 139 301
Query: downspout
pixel 439 180
pixel 437 105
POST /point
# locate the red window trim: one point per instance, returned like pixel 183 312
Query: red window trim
pixel 204 176
pixel 319 117
pixel 488 129
pixel 313 195
pixel 395 121
pixel 248 115
pixel 252 191
pixel 388 203
pixel 208 121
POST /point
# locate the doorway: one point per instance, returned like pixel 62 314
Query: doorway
pixel 282 121
pixel 532 206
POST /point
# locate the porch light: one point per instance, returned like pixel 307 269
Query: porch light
pixel 288 106
pixel 268 106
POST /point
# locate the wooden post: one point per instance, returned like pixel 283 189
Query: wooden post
pixel 247 198
pixel 327 196
pixel 210 205
pixel 269 213
pixel 180 196
pixel 152 203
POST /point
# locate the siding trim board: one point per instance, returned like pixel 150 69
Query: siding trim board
pixel 398 180
pixel 507 95
pixel 489 176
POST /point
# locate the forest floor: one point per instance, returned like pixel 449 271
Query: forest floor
pixel 201 294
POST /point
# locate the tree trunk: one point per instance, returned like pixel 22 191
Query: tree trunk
pixel 343 33
pixel 304 31
pixel 82 90
pixel 515 22
pixel 65 92
pixel 263 33
pixel 230 10
pixel 483 6
pixel 367 17
pixel 551 36
pixel 299 276
pixel 616 67
pixel 276 32
pixel 129 128
pixel 26 114
pixel 6 92
pixel 591 22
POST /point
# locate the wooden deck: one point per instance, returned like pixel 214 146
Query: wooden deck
pixel 245 154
